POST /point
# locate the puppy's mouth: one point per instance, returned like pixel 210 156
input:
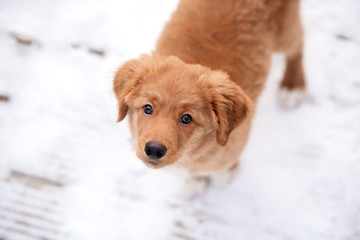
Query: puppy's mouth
pixel 155 164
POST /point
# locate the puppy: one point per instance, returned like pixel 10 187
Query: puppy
pixel 191 102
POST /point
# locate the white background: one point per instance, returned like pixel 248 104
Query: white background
pixel 68 171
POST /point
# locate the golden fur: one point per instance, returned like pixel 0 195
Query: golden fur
pixel 211 62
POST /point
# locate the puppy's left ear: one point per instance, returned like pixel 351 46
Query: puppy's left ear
pixel 229 103
pixel 127 77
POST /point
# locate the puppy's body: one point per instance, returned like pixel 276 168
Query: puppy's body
pixel 236 36
pixel 210 63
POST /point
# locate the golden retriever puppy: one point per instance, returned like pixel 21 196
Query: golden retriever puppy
pixel 190 103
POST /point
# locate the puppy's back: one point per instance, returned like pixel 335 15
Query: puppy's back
pixel 237 36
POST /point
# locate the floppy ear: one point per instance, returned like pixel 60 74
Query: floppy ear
pixel 229 103
pixel 127 77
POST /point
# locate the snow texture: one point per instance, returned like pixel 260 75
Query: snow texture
pixel 68 171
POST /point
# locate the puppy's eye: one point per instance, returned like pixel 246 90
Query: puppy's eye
pixel 148 109
pixel 186 119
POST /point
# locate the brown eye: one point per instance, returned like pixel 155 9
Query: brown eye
pixel 148 110
pixel 186 119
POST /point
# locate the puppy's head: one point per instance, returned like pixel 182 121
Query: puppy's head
pixel 174 107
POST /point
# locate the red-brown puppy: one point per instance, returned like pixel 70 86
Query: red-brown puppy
pixel 190 103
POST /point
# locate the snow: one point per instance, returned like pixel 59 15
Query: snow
pixel 300 173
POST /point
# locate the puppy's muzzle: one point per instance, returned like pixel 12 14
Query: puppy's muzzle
pixel 155 150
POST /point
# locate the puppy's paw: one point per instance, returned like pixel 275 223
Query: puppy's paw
pixel 222 179
pixel 289 99
pixel 194 186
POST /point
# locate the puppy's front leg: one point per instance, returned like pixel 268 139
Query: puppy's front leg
pixel 194 186
pixel 224 178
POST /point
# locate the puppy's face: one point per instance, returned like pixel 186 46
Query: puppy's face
pixel 175 107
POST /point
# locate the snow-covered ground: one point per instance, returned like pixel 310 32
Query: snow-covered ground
pixel 68 171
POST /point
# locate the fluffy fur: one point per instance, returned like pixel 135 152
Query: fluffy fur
pixel 211 62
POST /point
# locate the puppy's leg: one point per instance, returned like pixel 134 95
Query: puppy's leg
pixel 292 87
pixel 194 186
pixel 223 178
pixel 290 41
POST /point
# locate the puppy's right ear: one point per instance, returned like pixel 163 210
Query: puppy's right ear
pixel 127 77
pixel 229 103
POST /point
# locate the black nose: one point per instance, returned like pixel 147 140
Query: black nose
pixel 155 150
